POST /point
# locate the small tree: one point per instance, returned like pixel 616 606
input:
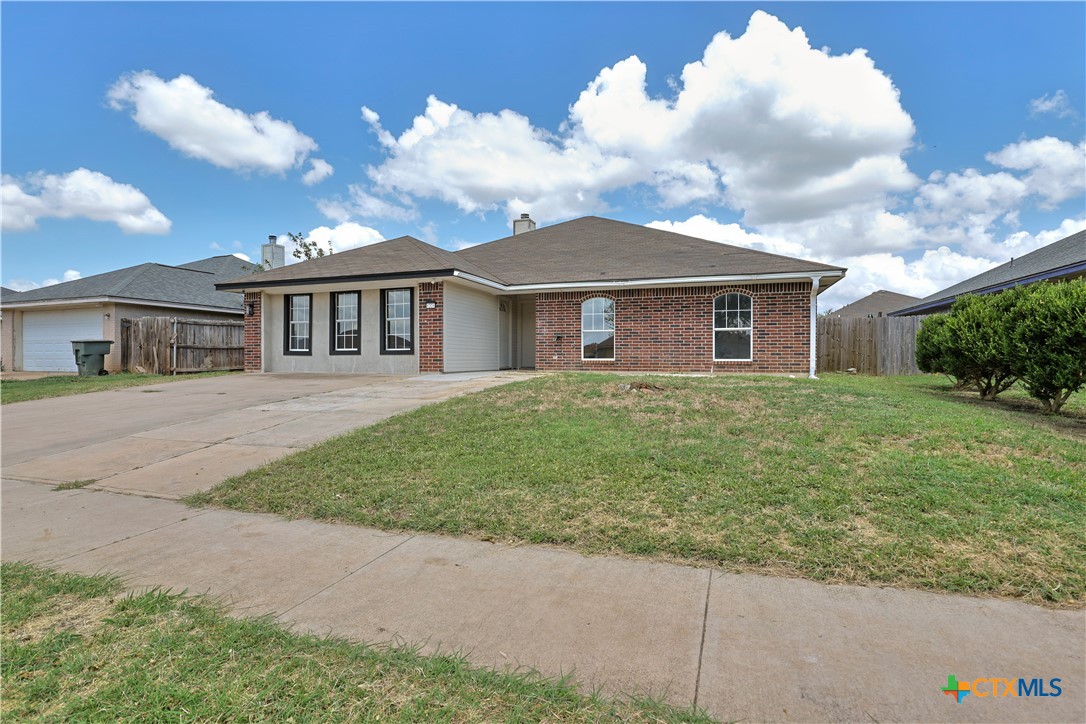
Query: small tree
pixel 980 338
pixel 306 248
pixel 1048 340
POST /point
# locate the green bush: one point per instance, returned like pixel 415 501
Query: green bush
pixel 934 347
pixel 981 336
pixel 1047 333
pixel 971 344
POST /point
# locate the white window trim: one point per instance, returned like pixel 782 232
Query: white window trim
pixel 308 349
pixel 614 332
pixel 410 349
pixel 336 320
pixel 734 329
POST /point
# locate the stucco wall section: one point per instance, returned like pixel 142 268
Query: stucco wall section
pixel 369 361
pixel 671 329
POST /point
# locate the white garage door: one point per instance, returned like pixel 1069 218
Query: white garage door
pixel 47 337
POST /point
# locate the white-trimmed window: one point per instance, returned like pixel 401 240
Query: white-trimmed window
pixel 598 328
pixel 397 321
pixel 298 331
pixel 733 327
pixel 346 332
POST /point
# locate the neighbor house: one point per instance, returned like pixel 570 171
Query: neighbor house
pixel 40 324
pixel 587 294
pixel 1063 259
pixel 875 304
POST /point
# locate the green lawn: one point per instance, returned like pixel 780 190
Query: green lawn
pixel 61 385
pixel 76 648
pixel 886 481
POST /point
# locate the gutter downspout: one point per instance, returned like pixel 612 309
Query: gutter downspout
pixel 815 280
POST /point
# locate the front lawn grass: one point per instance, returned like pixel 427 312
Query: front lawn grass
pixel 62 385
pixel 886 481
pixel 77 648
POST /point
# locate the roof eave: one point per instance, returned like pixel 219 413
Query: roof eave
pixel 111 299
pixel 252 284
pixel 831 275
pixel 1029 279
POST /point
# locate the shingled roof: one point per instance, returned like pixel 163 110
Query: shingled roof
pixel 589 249
pixel 875 304
pixel 1061 259
pixel 189 284
pixel 593 249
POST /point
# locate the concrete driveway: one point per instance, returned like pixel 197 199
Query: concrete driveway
pixel 174 439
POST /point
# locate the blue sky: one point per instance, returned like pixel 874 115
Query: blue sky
pixel 916 143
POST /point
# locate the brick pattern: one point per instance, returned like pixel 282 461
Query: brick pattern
pixel 671 329
pixel 253 350
pixel 431 347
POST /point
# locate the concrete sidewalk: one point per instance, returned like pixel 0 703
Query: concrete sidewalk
pixel 171 440
pixel 743 647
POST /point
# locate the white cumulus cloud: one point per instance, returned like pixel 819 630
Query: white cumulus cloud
pixel 704 227
pixel 186 115
pixel 1058 104
pixel 364 205
pixel 319 169
pixel 80 193
pixel 1056 169
pixel 347 235
pixel 764 122
pixel 480 162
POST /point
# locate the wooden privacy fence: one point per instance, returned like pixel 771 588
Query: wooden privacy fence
pixel 870 345
pixel 168 345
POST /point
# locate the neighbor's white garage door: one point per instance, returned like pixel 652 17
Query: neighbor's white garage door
pixel 47 337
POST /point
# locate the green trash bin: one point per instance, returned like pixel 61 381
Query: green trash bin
pixel 90 356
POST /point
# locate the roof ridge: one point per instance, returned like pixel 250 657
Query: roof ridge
pixel 428 249
pixel 136 271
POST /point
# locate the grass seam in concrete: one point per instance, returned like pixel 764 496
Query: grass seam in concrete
pixel 704 627
pixel 345 576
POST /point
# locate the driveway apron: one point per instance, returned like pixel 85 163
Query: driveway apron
pixel 175 439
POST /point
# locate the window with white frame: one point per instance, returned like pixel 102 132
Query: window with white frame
pixel 298 329
pixel 397 321
pixel 733 327
pixel 346 332
pixel 598 328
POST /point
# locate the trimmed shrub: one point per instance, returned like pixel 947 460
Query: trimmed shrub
pixel 934 348
pixel 1047 330
pixel 977 343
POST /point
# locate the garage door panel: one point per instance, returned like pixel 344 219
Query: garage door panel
pixel 47 337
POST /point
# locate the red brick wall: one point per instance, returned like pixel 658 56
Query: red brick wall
pixel 253 350
pixel 431 348
pixel 671 329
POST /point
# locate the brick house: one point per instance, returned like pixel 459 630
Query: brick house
pixel 587 294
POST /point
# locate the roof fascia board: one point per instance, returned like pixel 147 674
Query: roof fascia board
pixel 118 300
pixel 674 281
pixel 246 286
